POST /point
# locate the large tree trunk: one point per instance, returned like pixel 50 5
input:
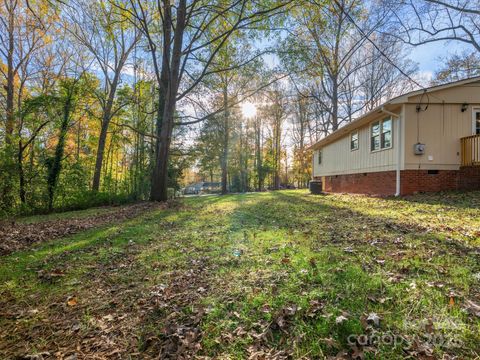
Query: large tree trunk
pixel 170 77
pixel 10 111
pixel 102 140
pixel 7 199
pixel 159 190
pixel 155 188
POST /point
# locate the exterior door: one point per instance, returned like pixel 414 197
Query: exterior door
pixel 476 121
pixel 475 142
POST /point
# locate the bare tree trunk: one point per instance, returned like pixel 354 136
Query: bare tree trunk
pixel 170 72
pixel 226 137
pixel 107 115
pixel 30 167
pixel 21 173
pixel 10 111
pixel 277 152
pixel 258 154
pixel 6 197
pixel 160 172
pixel 334 114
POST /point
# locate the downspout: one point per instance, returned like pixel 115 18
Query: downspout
pixel 313 164
pixel 398 140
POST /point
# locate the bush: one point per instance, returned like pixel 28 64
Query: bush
pixel 75 201
pixel 88 199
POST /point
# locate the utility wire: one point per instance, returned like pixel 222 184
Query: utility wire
pixel 360 30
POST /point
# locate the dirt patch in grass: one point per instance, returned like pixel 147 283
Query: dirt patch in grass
pixel 19 235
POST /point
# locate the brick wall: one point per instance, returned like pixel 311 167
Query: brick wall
pixel 469 178
pixel 374 183
pixel 412 181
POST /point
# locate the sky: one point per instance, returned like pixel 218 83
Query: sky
pixel 428 56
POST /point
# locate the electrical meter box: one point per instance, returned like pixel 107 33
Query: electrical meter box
pixel 419 149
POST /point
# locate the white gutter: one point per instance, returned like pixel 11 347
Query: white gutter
pixel 399 147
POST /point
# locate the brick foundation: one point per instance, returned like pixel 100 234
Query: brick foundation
pixel 412 181
pixel 375 183
pixel 469 178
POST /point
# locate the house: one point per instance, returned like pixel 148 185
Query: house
pixel 203 187
pixel 425 140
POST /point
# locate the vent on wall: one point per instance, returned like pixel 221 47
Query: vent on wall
pixel 432 172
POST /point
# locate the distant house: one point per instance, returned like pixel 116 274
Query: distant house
pixel 203 188
pixel 426 140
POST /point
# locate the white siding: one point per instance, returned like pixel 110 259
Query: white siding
pixel 337 158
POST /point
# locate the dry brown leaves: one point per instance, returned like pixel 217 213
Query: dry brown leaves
pixel 17 236
pixel 119 315
pixel 181 333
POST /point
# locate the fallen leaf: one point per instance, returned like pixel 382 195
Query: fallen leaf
pixel 373 319
pixel 290 310
pixel 357 353
pixel 71 357
pixel 108 317
pixel 429 326
pixel 472 308
pixel 72 301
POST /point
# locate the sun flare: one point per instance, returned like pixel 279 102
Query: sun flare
pixel 249 110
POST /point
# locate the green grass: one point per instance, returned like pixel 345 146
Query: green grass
pixel 256 274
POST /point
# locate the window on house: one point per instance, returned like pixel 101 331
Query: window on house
pixel 375 143
pixel 386 133
pixel 381 135
pixel 319 157
pixel 354 141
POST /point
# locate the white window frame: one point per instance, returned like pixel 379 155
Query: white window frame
pixel 474 120
pixel 358 140
pixel 380 123
pixel 319 157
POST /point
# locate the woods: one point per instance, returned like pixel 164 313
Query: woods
pixel 110 101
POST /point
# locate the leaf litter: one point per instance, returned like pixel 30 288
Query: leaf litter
pixel 18 235
pixel 164 316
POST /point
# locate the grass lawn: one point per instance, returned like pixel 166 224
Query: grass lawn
pixel 262 276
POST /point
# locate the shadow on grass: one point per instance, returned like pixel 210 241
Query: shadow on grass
pixel 344 275
pixel 71 256
pixel 355 255
pixel 454 199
